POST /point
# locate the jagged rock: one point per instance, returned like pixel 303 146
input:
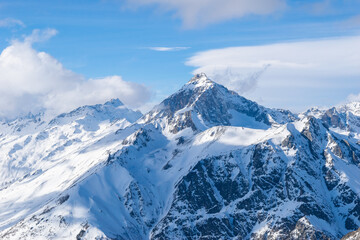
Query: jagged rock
pixel 355 235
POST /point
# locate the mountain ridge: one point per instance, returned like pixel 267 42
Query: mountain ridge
pixel 202 103
pixel 205 163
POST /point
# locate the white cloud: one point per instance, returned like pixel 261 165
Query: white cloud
pixel 95 91
pixel 167 49
pixel 11 22
pixel 300 74
pixel 237 81
pixel 353 98
pixel 38 35
pixel 203 12
pixel 32 80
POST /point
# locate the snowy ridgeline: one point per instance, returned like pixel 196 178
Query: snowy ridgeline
pixel 206 163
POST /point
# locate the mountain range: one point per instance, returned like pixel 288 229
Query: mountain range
pixel 206 163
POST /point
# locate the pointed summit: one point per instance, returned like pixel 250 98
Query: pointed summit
pixel 202 103
pixel 199 78
pixel 198 81
pixel 115 102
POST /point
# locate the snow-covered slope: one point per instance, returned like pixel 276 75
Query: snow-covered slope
pixel 204 164
pixel 40 159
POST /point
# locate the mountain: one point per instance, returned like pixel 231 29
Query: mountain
pixel 205 163
pixel 41 158
pixel 202 103
pixel 345 117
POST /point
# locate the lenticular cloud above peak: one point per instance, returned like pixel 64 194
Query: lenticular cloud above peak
pixel 283 73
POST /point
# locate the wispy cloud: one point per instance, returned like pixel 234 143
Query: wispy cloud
pixel 203 12
pixel 237 81
pixel 168 49
pixel 300 72
pixel 38 35
pixel 324 7
pixel 11 22
pixel 353 22
pixel 353 98
pixel 32 80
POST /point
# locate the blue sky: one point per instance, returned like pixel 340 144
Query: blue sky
pixel 95 39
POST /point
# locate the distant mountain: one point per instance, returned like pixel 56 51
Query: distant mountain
pixel 205 163
pixel 42 157
pixel 345 117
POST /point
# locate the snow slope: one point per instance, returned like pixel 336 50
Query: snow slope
pixel 206 163
pixel 40 159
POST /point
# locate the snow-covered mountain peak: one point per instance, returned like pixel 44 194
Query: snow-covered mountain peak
pixel 205 162
pixel 198 84
pixel 313 111
pixel 353 107
pixel 200 80
pixel 25 124
pixel 111 111
pixel 115 102
pixel 344 117
pixel 42 157
pixel 202 103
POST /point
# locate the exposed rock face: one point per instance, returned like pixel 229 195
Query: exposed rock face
pixel 263 188
pixel 355 235
pixel 202 103
pixel 331 118
pixel 204 164
pixel 346 117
